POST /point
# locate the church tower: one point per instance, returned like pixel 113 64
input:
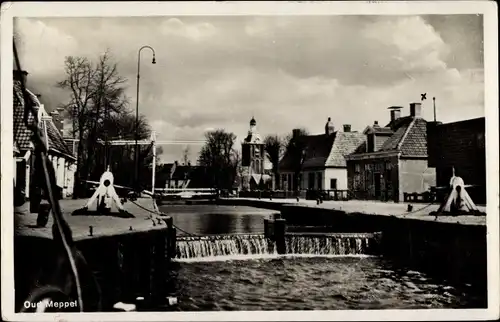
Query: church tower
pixel 253 155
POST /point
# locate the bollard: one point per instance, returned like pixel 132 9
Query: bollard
pixel 266 228
pixel 279 235
pixel 410 208
pixel 171 237
pixel 91 230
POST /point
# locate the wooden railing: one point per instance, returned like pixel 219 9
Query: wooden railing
pixel 426 196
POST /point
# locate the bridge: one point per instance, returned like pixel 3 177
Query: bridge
pixel 183 193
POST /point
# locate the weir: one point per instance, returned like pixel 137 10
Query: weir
pixel 258 244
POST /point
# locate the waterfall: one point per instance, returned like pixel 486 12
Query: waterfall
pixel 257 245
pixel 330 244
pixel 223 245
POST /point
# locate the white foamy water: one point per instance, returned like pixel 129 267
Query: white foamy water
pixel 250 246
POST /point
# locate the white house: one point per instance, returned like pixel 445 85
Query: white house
pixel 324 165
pixel 61 157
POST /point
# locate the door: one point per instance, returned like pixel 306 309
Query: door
pixel 376 182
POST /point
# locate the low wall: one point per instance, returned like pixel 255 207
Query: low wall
pixel 276 205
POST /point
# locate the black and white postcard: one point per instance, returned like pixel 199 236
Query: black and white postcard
pixel 231 161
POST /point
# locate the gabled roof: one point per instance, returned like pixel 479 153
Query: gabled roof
pixel 409 137
pixel 345 143
pixel 22 135
pixel 326 150
pixel 376 129
pixel 317 150
pixel 56 141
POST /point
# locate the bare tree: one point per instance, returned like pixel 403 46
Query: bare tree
pixel 98 109
pixel 218 156
pixel 79 80
pixel 274 148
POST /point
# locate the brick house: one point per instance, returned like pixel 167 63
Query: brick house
pixel 62 159
pixel 459 145
pixel 324 165
pixel 392 159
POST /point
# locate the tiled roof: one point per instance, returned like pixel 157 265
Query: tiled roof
pixel 318 148
pixel 326 151
pixel 22 135
pixel 410 137
pixel 393 142
pixel 415 142
pixel 378 130
pixel 56 141
pixel 345 143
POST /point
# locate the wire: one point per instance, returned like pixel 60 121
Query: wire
pixel 49 177
pixel 420 209
pixel 162 213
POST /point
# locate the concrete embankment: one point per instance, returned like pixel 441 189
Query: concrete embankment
pixel 450 248
pixel 126 256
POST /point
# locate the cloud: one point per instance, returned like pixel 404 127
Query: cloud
pixel 197 32
pixel 218 72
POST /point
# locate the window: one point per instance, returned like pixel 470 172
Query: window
pixel 310 180
pixel 357 168
pixel 371 142
pixel 333 184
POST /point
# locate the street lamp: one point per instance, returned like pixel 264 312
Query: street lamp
pixel 136 176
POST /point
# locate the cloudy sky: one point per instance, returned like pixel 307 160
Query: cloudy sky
pixel 218 72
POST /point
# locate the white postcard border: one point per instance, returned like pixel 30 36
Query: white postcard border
pixel 80 9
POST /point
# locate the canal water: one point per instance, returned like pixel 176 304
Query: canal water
pixel 235 268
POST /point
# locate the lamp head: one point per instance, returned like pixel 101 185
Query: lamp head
pixel 154 60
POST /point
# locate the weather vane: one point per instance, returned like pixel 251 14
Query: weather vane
pixel 423 96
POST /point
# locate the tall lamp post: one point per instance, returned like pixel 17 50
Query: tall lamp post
pixel 136 172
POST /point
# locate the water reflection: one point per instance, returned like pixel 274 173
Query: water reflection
pixel 213 219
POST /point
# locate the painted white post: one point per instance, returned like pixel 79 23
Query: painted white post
pixel 28 177
pixel 153 139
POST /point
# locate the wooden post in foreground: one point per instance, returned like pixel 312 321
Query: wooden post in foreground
pixel 279 235
pixel 171 238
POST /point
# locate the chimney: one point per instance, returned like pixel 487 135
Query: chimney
pixel 416 109
pixel 295 132
pixel 395 112
pixel 375 123
pixel 347 127
pixel 21 75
